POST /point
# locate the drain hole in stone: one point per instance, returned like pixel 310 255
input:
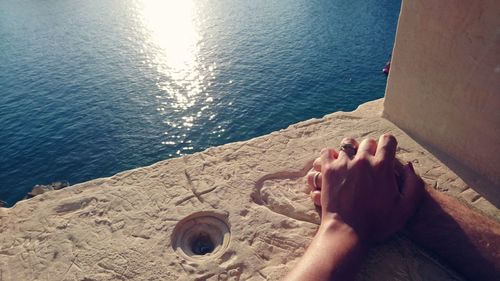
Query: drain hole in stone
pixel 202 244
pixel 202 235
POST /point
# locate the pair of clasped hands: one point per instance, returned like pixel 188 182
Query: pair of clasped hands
pixel 365 195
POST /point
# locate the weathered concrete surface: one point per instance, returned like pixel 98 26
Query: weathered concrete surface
pixel 244 196
pixel 444 84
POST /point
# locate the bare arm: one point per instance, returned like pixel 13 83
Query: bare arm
pixel 467 240
pixel 359 207
pixel 361 204
pixel 335 253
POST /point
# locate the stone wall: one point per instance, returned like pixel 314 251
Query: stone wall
pixel 444 85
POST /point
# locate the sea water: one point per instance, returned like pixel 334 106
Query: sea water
pixel 89 88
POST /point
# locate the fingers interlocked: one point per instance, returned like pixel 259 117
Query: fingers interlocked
pixel 364 186
pixel 350 150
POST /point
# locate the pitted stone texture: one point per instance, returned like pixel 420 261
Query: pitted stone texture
pixel 120 228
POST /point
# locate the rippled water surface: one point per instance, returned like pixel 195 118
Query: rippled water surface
pixel 92 87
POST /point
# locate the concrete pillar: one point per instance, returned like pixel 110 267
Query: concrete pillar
pixel 444 83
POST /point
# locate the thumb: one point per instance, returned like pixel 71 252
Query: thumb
pixel 412 190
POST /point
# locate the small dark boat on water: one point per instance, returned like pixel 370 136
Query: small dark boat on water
pixel 387 67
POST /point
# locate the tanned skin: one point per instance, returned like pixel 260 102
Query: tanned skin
pixel 363 202
pixel 465 239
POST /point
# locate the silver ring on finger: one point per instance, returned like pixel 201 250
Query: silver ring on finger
pixel 349 149
pixel 315 180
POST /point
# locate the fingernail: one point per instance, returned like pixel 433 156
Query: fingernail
pixel 411 167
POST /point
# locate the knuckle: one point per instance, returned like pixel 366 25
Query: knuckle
pixel 317 167
pixel 324 153
pixel 369 142
pixel 331 152
pixel 317 162
pixel 347 140
pixel 389 138
pixel 328 169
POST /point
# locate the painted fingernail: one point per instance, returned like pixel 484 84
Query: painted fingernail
pixel 411 167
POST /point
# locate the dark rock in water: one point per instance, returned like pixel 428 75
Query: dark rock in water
pixel 40 188
pixel 59 185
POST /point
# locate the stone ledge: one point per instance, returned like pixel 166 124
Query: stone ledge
pixel 247 193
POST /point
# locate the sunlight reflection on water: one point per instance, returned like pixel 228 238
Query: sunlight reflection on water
pixel 91 88
pixel 172 48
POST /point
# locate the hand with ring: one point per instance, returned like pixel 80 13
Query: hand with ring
pixel 366 195
pixel 362 202
pixel 359 183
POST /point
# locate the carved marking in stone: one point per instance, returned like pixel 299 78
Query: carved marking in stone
pixel 282 193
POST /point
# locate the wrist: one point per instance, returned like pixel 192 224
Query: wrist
pixel 333 222
pixel 333 227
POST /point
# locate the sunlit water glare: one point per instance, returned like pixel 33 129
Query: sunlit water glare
pixel 172 46
pixel 89 88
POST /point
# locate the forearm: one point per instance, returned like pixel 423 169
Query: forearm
pixel 334 254
pixel 468 241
